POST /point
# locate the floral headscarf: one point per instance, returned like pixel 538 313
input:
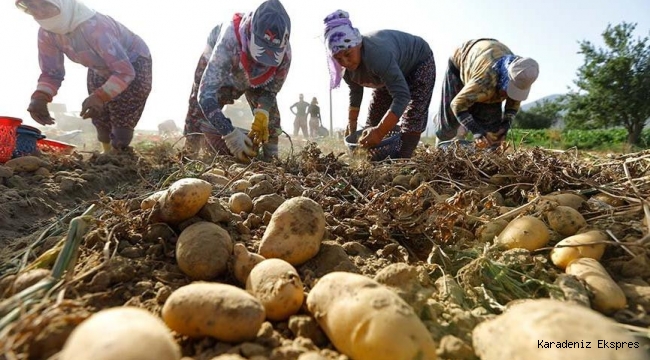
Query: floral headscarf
pixel 339 35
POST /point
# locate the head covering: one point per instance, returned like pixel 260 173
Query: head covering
pixel 522 74
pixel 501 67
pixel 72 13
pixel 339 35
pixel 270 30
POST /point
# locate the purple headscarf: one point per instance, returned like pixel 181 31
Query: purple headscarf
pixel 339 35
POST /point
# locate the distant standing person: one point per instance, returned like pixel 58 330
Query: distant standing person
pixel 397 65
pixel 300 122
pixel 249 55
pixel 118 62
pixel 481 74
pixel 315 121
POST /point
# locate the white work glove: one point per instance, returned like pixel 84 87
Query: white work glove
pixel 240 145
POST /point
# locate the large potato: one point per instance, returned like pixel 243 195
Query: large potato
pixel 526 232
pixel 183 199
pixel 608 296
pixel 295 231
pixel 562 256
pixel 122 333
pixel 565 220
pixel 277 285
pixel 543 329
pixel 367 321
pixel 222 311
pixel 203 250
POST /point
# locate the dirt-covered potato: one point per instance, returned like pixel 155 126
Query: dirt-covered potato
pixel 277 285
pixel 29 278
pixel 367 321
pixel 225 312
pixel 125 333
pixel 562 256
pixel 543 329
pixel 567 199
pixel 239 202
pixel 526 232
pixel 183 199
pixel 295 231
pixel 609 200
pixel 608 296
pixel 487 232
pixel 565 220
pixel 243 262
pixel 240 185
pixel 203 250
pixel 152 199
pixel 26 163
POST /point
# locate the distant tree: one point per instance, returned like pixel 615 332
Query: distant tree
pixel 540 116
pixel 613 84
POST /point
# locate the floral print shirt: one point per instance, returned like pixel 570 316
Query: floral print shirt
pixel 99 43
pixel 225 80
pixel 475 61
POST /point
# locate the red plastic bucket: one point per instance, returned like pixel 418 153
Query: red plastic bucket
pixel 8 126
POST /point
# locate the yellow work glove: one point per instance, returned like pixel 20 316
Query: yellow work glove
pixel 260 128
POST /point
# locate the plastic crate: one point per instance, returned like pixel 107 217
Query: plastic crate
pixel 26 138
pixel 388 147
pixel 54 146
pixel 8 127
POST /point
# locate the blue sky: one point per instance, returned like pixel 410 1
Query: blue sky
pixel 176 31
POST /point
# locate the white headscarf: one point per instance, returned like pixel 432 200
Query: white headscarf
pixel 72 13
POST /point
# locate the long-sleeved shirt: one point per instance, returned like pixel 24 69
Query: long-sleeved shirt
pixel 224 74
pixel 301 108
pixel 475 61
pixel 387 58
pixel 99 43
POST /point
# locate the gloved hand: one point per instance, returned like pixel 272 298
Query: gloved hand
pixel 260 129
pixel 240 145
pixel 38 109
pixel 92 107
pixel 351 128
pixel 491 138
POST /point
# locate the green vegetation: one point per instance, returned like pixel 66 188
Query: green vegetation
pixel 597 139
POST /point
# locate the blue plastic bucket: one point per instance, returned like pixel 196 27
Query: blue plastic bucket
pixel 26 141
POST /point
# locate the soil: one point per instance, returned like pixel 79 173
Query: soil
pixel 413 225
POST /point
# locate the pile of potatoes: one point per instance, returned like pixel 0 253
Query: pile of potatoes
pixel 578 253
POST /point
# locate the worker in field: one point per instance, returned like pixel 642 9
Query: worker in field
pixel 248 55
pixel 299 110
pixel 118 62
pixel 481 75
pixel 397 65
pixel 315 122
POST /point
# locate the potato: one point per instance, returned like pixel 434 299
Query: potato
pixel 26 164
pixel 225 312
pixel 240 185
pixel 295 231
pixel 183 199
pixel 565 220
pixel 258 178
pixel 608 296
pixel 29 278
pixel 276 284
pixel 215 179
pixel 203 250
pixel 609 200
pixel 243 262
pixel 567 199
pixel 124 333
pixel 542 329
pixel 152 199
pixel 240 202
pixel 562 256
pixel 487 232
pixel 526 232
pixel 367 321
